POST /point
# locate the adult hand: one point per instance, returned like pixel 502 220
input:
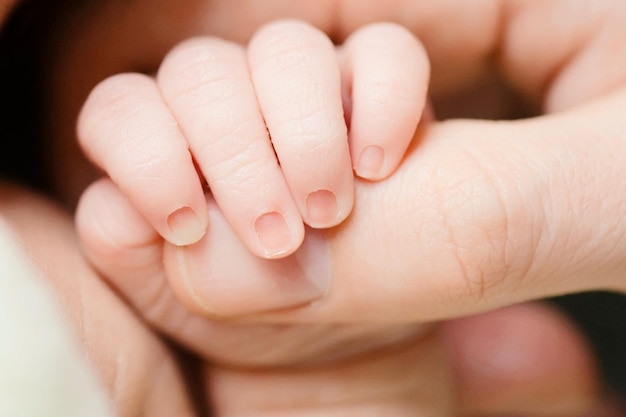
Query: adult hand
pixel 142 377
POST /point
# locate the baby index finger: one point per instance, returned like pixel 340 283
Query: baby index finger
pixel 128 131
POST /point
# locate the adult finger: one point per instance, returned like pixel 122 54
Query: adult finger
pixel 298 84
pixel 386 73
pixel 128 131
pixel 480 215
pixel 206 84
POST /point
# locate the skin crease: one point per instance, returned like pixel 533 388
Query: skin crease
pixel 142 51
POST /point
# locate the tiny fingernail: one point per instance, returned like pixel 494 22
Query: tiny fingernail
pixel 185 226
pixel 322 210
pixel 274 234
pixel 370 162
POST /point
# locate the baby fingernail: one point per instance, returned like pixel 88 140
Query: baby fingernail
pixel 273 234
pixel 322 209
pixel 185 227
pixel 370 162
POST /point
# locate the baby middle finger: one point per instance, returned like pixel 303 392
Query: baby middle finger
pixel 297 80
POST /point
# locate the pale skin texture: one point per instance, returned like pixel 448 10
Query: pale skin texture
pixel 219 103
pixel 584 389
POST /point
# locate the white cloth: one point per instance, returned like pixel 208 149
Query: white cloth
pixel 42 370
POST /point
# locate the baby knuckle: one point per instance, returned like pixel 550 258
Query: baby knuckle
pixel 111 100
pixel 202 67
pixel 310 129
pixel 286 44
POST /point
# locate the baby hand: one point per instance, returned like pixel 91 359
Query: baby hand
pixel 274 129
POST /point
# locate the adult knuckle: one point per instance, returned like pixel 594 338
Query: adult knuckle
pixel 476 226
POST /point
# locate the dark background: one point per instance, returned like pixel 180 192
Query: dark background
pixel 602 317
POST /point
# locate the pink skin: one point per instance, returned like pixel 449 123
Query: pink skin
pixel 505 162
pixel 219 103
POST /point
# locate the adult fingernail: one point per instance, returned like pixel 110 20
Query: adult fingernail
pixel 370 162
pixel 185 226
pixel 322 209
pixel 274 235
